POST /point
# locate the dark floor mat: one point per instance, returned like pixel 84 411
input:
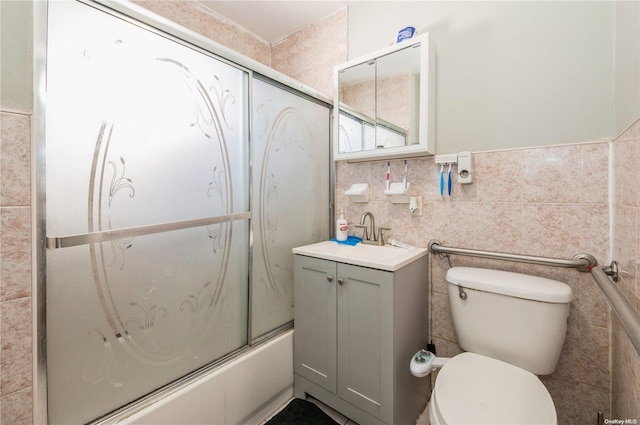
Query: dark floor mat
pixel 301 412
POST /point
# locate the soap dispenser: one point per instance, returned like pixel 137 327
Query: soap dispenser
pixel 341 228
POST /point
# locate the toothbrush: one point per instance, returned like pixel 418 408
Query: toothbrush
pixel 404 180
pixel 449 181
pixel 388 174
pixel 441 179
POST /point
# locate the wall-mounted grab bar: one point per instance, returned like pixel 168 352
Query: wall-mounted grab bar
pixel 628 317
pixel 582 262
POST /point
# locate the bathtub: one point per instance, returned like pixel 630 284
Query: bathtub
pixel 243 391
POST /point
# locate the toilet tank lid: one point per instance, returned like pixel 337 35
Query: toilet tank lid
pixel 511 284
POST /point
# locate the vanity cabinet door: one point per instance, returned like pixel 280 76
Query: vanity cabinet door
pixel 356 329
pixel 343 337
pixel 315 320
pixel 365 339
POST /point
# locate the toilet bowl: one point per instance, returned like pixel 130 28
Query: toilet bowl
pixel 499 318
pixel 475 389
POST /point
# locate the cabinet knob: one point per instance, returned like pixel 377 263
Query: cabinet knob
pixel 340 282
pixel 329 278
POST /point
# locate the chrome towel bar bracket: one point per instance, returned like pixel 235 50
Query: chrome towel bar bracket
pixel 612 271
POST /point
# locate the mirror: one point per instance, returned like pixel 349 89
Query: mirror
pixel 383 105
pixel 356 120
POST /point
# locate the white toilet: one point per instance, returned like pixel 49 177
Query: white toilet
pixel 512 327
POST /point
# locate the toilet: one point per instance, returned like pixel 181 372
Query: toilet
pixel 512 327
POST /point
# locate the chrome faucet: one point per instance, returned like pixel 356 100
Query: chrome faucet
pixel 366 234
pixel 369 234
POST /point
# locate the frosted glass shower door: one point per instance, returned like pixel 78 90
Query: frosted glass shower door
pixel 147 211
pixel 290 199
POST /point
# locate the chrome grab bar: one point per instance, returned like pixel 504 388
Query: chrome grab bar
pixel 604 277
pixel 621 307
pixel 582 262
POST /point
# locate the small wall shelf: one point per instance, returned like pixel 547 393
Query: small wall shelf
pixel 398 193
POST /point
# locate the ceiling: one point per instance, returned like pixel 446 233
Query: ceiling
pixel 273 20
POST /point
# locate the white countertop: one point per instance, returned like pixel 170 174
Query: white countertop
pixel 389 258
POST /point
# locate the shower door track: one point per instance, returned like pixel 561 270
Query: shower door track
pixel 128 232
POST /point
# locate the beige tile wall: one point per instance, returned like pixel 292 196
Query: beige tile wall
pixel 196 17
pixel 625 391
pixel 15 270
pixel 550 201
pixel 310 54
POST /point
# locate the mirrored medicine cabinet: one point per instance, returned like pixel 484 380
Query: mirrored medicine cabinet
pixel 384 103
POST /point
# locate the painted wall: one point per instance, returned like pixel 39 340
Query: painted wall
pixel 508 74
pixel 627 64
pixel 16 88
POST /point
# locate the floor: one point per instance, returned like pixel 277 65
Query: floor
pixel 341 419
pixel 336 416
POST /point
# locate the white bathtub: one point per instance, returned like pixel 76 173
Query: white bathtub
pixel 245 391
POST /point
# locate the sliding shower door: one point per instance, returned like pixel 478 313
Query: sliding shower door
pixel 289 201
pixel 147 211
pixel 175 186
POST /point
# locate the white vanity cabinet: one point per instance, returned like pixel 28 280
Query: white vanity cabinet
pixel 356 329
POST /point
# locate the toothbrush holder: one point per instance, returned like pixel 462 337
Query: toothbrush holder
pixel 398 193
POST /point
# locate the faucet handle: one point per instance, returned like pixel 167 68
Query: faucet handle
pixel 381 234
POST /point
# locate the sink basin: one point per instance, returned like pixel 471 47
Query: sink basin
pixel 390 258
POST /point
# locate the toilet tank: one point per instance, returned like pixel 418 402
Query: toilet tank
pixel 513 317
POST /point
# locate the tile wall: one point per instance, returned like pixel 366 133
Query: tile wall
pixel 625 391
pixel 198 18
pixel 15 270
pixel 550 201
pixel 310 54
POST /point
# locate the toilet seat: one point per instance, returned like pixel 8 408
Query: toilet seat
pixel 475 389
